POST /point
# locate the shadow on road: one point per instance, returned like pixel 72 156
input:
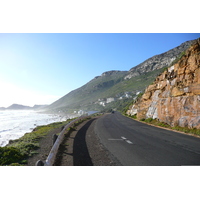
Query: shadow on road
pixel 80 150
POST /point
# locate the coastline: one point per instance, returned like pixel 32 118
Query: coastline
pixel 19 152
pixel 34 146
pixel 14 124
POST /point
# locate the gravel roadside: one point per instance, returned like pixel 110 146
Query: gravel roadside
pixel 83 148
pixel 45 144
pixel 80 147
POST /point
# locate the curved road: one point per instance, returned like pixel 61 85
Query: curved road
pixel 133 143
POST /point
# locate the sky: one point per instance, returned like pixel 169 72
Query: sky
pixel 40 68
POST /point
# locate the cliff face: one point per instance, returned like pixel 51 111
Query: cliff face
pixel 174 97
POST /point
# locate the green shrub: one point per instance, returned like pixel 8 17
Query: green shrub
pixel 134 116
pixel 140 95
pixel 162 124
pixel 71 129
pixel 17 151
pixel 9 155
pixel 149 120
pixel 164 69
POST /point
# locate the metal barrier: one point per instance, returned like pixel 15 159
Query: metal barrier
pixel 52 155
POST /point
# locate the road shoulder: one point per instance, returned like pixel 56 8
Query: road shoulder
pixel 82 147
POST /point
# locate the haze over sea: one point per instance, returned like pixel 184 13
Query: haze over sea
pixel 14 124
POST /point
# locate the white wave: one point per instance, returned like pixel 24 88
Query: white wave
pixel 14 124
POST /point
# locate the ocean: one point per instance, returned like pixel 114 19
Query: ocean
pixel 14 124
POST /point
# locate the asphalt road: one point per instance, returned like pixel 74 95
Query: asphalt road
pixel 133 143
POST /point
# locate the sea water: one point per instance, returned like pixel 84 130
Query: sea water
pixel 14 124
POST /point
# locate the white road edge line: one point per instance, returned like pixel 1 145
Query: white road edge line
pixel 123 138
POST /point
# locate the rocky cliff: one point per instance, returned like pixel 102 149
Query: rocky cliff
pixel 174 97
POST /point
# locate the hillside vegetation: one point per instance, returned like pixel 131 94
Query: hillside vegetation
pixel 121 86
pixel 111 84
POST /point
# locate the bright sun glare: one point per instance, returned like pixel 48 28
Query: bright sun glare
pixel 12 94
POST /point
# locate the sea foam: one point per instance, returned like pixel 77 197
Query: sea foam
pixel 14 124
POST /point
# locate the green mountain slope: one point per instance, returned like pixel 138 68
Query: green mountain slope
pixel 85 96
pixel 121 86
pixel 109 84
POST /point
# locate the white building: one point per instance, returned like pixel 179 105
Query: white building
pixel 111 99
pixel 103 103
pixel 127 95
pixel 81 112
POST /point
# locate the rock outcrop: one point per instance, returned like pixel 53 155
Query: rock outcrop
pixel 174 97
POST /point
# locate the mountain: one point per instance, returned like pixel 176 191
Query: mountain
pixel 22 107
pixel 116 89
pixel 86 97
pixel 37 107
pixel 174 96
pixel 158 61
pixel 18 107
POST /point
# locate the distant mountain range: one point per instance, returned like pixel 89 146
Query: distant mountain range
pixel 22 107
pixel 117 89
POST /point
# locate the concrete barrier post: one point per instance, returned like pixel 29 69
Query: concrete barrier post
pixel 39 163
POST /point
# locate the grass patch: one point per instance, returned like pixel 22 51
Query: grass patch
pixel 17 151
pixel 71 129
pixel 187 130
pixel 177 128
pixel 134 116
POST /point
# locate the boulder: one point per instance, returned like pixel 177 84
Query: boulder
pixel 177 92
pixel 146 95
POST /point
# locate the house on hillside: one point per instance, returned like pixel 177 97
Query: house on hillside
pixel 81 112
pixel 111 99
pixel 126 95
pixel 102 103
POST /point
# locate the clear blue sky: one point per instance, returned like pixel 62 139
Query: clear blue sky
pixel 41 68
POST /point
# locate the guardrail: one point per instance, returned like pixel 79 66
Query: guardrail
pixel 52 155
